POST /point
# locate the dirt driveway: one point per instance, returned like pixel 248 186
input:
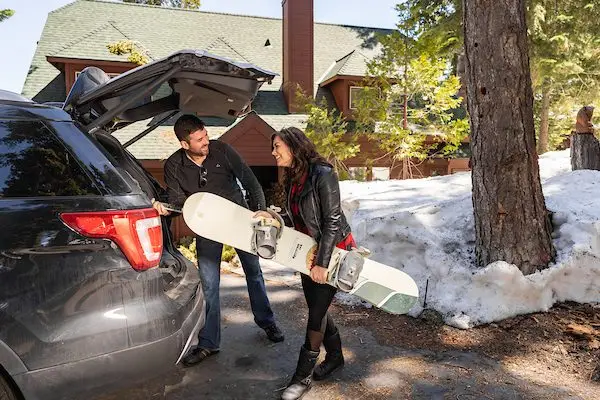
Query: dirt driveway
pixel 381 361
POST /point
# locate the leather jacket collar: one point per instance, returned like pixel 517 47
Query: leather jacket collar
pixel 320 208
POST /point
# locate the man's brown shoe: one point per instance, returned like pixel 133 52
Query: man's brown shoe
pixel 197 355
pixel 274 333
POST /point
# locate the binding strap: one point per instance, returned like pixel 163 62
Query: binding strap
pixel 347 268
pixel 265 235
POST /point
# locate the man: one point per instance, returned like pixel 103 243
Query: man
pixel 213 166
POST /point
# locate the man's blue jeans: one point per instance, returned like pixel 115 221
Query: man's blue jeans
pixel 209 267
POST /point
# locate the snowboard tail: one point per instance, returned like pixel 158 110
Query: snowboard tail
pixel 384 298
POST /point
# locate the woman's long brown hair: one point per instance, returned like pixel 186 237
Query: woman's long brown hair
pixel 303 152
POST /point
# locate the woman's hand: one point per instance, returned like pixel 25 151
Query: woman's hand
pixel 262 214
pixel 319 274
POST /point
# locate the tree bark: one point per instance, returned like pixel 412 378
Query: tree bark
pixel 511 220
pixel 545 121
pixel 585 151
pixel 406 169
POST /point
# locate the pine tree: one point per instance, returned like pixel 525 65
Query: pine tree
pixel 328 130
pixel 410 94
pixel 511 220
pixel 5 14
pixel 565 54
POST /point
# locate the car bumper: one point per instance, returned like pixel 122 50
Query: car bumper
pixel 108 372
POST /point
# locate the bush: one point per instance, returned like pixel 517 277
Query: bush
pixel 228 253
pixel 187 247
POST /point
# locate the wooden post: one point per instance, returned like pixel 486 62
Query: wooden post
pixel 585 148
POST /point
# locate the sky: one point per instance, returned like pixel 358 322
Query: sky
pixel 20 33
pixel 425 228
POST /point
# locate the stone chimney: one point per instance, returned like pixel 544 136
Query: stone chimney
pixel 298 50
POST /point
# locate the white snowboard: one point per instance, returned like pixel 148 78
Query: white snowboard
pixel 223 221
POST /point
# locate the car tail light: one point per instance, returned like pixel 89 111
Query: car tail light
pixel 138 233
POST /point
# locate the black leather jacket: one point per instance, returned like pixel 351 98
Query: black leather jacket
pixel 321 211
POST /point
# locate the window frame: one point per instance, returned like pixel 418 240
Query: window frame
pixel 350 95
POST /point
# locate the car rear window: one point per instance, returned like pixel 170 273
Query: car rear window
pixel 33 162
pixel 101 166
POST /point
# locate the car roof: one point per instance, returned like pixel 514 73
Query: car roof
pixel 11 96
pixel 14 106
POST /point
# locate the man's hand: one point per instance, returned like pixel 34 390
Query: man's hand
pixel 158 206
pixel 319 274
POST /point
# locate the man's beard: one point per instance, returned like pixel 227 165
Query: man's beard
pixel 202 153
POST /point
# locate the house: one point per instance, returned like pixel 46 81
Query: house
pixel 325 60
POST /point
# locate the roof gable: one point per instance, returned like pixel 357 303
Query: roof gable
pixel 251 136
pixel 92 45
pixel 221 47
pixel 237 130
pixel 352 64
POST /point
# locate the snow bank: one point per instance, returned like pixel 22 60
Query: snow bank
pixel 425 228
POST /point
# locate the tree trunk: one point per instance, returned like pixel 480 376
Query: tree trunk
pixel 405 169
pixel 405 111
pixel 545 121
pixel 511 220
pixel 585 151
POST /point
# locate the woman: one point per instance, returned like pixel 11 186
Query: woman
pixel 313 205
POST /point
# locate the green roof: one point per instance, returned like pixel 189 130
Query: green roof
pixel 353 64
pixel 82 29
pixel 92 45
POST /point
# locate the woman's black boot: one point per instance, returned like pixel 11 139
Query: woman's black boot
pixel 334 359
pixel 302 379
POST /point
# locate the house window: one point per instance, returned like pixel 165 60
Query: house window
pixel 357 173
pixel 355 92
pixel 381 173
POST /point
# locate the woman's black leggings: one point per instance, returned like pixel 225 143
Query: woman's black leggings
pixel 320 324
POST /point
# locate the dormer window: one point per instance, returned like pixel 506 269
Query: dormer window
pixel 355 92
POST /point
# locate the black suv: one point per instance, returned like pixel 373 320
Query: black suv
pixel 93 293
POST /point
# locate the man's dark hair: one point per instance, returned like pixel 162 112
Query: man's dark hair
pixel 187 124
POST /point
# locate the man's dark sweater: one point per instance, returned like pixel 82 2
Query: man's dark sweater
pixel 223 165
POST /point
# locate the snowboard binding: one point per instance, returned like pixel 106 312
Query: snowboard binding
pixel 347 269
pixel 266 233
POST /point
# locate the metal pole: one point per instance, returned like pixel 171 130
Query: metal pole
pixel 148 130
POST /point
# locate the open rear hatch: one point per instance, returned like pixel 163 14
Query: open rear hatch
pixel 189 81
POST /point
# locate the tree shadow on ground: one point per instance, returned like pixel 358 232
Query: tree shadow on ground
pixel 381 362
pixel 530 351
